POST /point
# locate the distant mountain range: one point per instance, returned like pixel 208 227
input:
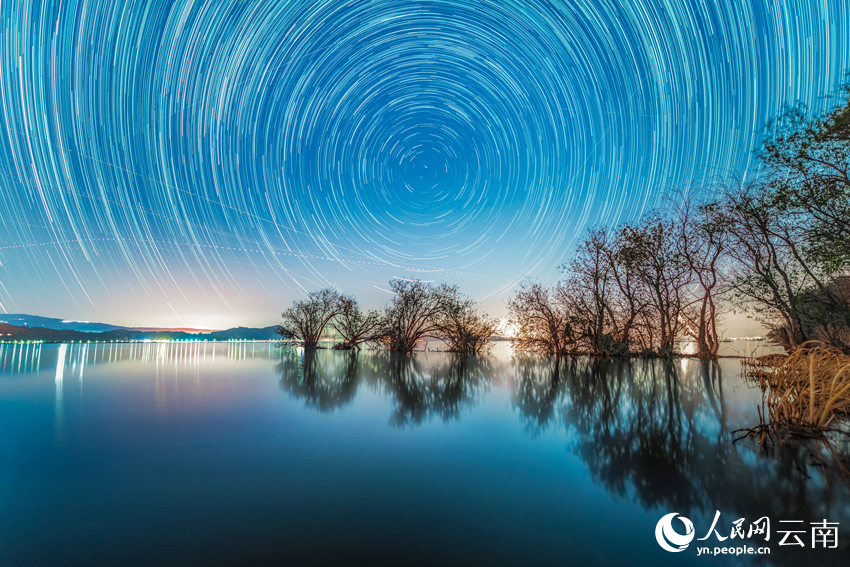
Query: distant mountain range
pixel 23 320
pixel 22 327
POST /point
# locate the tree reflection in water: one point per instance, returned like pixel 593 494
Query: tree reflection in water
pixel 535 389
pixel 643 425
pixel 652 432
pixel 450 383
pixel 442 385
pixel 325 383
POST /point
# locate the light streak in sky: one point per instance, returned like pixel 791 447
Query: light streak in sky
pixel 211 161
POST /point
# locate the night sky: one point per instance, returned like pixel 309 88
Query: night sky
pixel 204 163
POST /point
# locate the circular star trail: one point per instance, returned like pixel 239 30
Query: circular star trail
pixel 204 163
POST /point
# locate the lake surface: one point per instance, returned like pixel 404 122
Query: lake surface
pixel 243 454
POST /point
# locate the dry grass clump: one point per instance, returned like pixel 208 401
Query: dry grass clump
pixel 807 388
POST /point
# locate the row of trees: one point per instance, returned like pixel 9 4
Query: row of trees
pixel 777 247
pixel 418 310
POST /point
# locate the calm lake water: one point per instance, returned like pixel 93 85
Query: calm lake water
pixel 241 454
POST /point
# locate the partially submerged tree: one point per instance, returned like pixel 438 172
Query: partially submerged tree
pixel 703 229
pixel 353 325
pixel 603 295
pixel 417 310
pixel 807 187
pixel 629 304
pixel 767 278
pixel 307 318
pixel 542 322
pixel 462 326
pixel 413 312
pixel 649 251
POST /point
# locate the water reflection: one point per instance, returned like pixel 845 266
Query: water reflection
pixel 59 404
pixel 535 390
pixel 325 383
pixel 651 435
pixel 450 384
pixel 655 433
pixel 648 428
pixel 26 358
pixel 19 358
pixel 442 385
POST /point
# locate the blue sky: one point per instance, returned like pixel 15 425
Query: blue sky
pixel 202 163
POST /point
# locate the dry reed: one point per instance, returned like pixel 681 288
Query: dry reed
pixel 806 389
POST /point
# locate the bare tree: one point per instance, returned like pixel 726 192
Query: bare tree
pixel 629 303
pixel 307 318
pixel 542 323
pixel 588 291
pixel 462 326
pixel 767 279
pixel 650 251
pixel 353 325
pixel 702 237
pixel 413 312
